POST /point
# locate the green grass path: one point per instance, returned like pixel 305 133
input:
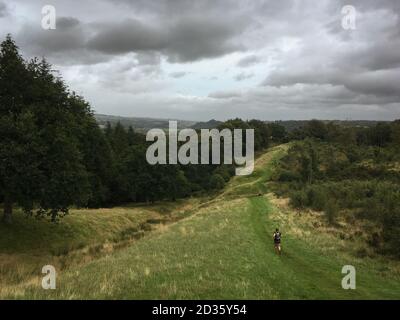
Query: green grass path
pixel 303 271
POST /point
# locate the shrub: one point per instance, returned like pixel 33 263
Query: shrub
pixel 298 199
pixel 288 176
pixel 331 210
pixel 216 182
pixel 316 198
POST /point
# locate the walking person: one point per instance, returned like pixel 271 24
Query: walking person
pixel 277 241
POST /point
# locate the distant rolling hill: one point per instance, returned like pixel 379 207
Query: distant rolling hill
pixel 141 123
pixel 207 125
pixel 291 125
pixel 144 124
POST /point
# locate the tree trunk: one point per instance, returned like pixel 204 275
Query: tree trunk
pixel 8 206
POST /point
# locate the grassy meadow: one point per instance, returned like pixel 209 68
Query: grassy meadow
pixel 199 248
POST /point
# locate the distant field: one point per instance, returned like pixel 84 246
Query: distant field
pixel 218 248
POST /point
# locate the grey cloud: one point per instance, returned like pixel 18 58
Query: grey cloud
pixel 382 54
pixel 303 95
pixel 67 23
pixel 148 58
pixel 184 40
pixel 379 83
pixel 370 5
pixel 178 74
pixel 183 31
pixel 364 61
pixel 195 38
pixel 243 76
pixel 228 94
pixel 123 75
pixel 69 35
pixel 178 8
pixel 302 76
pixel 3 10
pixel 188 39
pixel 127 36
pixel 249 61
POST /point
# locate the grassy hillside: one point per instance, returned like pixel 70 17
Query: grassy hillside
pixel 83 235
pixel 222 249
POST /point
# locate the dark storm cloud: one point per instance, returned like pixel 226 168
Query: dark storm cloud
pixel 69 35
pixel 203 37
pixel 201 33
pixel 66 45
pixel 127 36
pixel 188 39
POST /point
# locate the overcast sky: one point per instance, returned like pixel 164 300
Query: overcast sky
pixel 199 60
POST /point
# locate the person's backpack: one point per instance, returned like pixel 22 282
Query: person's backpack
pixel 277 236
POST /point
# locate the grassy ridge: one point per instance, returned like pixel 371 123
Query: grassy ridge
pixel 222 251
pixel 83 235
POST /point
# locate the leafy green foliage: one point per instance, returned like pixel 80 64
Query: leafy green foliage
pixel 359 176
pixel 42 125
